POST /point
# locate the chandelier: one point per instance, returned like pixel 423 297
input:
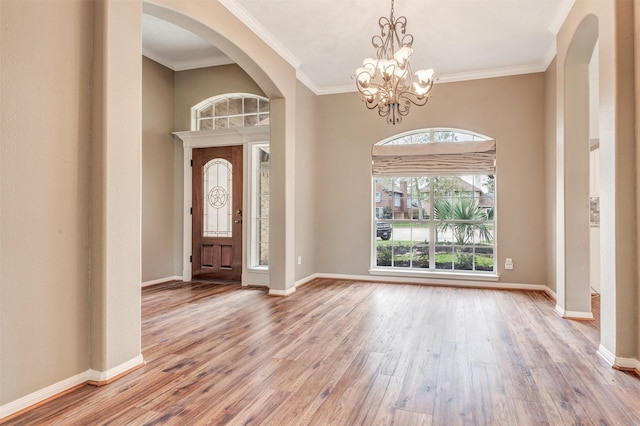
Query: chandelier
pixel 386 82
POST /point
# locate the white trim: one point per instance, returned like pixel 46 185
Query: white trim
pixel 304 79
pixel 627 363
pixel 66 384
pixel 434 275
pixel 551 293
pixel 245 136
pixel 606 355
pixel 102 376
pixel 42 394
pixel 551 52
pixel 241 13
pixel 561 15
pixel 447 78
pixel 274 292
pixel 440 282
pixel 303 281
pixel 573 314
pixel 161 280
pixel 618 362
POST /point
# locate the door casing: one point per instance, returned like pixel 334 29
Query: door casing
pixel 247 136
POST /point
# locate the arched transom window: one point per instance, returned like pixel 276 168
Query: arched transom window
pixel 230 111
pixel 434 202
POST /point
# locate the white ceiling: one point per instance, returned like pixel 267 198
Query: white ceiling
pixel 328 39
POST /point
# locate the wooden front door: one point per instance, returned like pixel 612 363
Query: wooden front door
pixel 217 213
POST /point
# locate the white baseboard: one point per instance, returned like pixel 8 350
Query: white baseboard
pixel 42 394
pixel 436 281
pixel 274 292
pixel 160 281
pixel 104 376
pixel 573 314
pixel 618 362
pixel 305 280
pixel 606 355
pixel 64 385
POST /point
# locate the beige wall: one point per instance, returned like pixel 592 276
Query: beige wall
pixel 306 201
pixel 509 109
pixel 115 344
pixel 158 248
pixel 194 86
pixel 636 26
pixel 44 242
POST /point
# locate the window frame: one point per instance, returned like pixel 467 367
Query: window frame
pixel 197 109
pixel 254 204
pixel 431 271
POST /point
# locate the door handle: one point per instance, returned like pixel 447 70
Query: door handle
pixel 238 212
pixel 237 221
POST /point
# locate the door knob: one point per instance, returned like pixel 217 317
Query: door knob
pixel 238 212
pixel 237 221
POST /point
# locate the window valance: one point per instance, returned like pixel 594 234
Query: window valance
pixel 450 158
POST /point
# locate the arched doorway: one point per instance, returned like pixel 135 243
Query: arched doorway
pixel 573 281
pixel 214 23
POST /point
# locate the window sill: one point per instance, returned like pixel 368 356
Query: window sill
pixel 444 275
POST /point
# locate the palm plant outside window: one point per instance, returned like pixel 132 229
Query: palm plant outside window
pixel 443 222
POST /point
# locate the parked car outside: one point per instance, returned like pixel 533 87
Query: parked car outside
pixel 383 230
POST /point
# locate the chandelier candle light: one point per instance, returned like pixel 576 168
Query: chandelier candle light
pixel 386 82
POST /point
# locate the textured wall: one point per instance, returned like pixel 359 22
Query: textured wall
pixel 44 242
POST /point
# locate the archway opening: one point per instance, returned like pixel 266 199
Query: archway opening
pixel 574 289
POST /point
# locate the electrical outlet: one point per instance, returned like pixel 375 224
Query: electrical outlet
pixel 299 260
pixel 508 264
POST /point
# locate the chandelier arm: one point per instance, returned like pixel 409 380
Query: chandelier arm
pixel 386 83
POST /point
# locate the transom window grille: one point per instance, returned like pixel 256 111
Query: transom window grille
pixel 230 111
pixel 434 206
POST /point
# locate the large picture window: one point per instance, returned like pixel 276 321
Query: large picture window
pixel 446 218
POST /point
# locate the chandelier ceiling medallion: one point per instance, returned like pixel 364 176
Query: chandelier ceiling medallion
pixel 386 82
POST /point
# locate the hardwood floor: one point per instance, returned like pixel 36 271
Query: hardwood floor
pixel 347 353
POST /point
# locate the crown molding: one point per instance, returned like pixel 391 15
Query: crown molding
pixel 241 13
pixel 561 15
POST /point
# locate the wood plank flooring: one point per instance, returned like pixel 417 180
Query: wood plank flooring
pixel 354 353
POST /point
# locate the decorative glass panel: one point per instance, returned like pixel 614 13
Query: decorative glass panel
pixel 235 106
pixel 222 108
pixel 222 123
pixel 260 206
pixel 207 112
pixel 206 124
pixel 250 120
pixel 218 208
pixel 236 121
pixel 263 208
pixel 250 105
pixel 263 119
